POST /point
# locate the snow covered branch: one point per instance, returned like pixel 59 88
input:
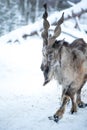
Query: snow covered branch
pixel 74 12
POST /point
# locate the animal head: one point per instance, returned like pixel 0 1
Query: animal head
pixel 50 44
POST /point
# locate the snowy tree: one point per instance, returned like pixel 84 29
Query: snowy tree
pixel 17 13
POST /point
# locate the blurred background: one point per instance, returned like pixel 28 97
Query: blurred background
pixel 17 13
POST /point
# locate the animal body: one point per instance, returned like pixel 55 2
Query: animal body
pixel 65 62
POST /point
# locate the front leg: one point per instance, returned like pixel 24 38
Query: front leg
pixel 59 114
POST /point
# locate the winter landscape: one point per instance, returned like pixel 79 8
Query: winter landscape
pixel 25 104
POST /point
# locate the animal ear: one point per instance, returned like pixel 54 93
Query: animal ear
pixel 46 26
pixel 57 31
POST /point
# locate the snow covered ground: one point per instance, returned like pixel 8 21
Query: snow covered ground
pixel 24 103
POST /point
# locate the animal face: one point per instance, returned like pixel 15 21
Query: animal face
pixel 46 65
pixel 50 60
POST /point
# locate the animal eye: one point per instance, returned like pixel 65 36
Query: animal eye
pixel 50 57
pixel 44 54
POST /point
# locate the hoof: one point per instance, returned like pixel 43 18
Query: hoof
pixel 73 111
pixel 54 118
pixel 82 105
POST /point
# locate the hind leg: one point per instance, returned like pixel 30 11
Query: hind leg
pixel 74 104
pixel 80 103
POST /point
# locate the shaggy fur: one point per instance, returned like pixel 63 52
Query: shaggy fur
pixel 67 63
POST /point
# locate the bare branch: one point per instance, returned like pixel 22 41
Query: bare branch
pixel 73 15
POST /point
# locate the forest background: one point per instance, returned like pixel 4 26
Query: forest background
pixel 17 13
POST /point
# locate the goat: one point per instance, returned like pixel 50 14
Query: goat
pixel 65 62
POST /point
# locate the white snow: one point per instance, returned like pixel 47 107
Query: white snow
pixel 24 103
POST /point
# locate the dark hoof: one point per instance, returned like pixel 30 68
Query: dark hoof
pixel 73 111
pixel 82 105
pixel 54 118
